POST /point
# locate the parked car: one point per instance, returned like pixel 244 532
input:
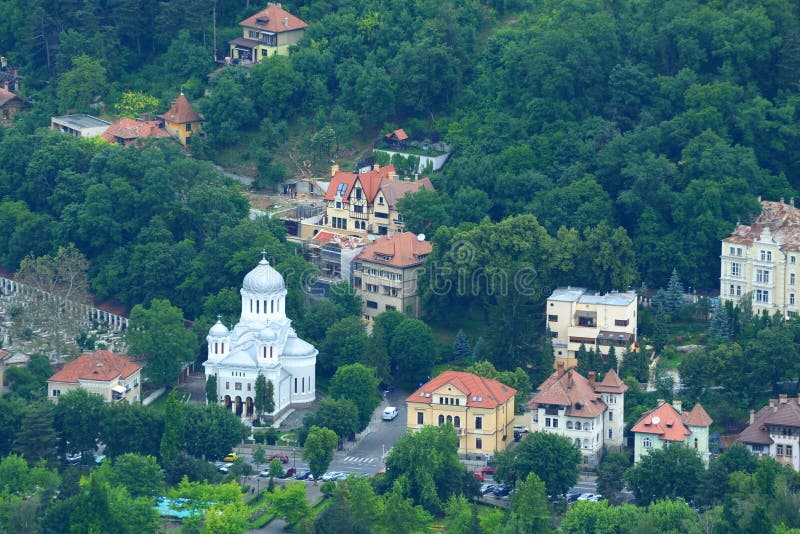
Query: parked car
pixel 586 496
pixel 572 496
pixel 521 429
pixel 302 475
pixel 595 498
pixel 73 459
pixel 488 470
pixel 225 467
pixel 330 476
pixel 264 474
pixel 486 488
pixel 282 457
pixel 501 491
pixel 231 457
pixel 389 413
pixel 289 473
pixel 341 476
pixel 479 475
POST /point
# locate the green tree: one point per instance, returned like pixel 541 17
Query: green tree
pixel 400 514
pixel 78 86
pixel 290 502
pixel 611 477
pixel 346 299
pixel 212 430
pixel 158 335
pixel 660 332
pixel 412 351
pixel 719 330
pixel 345 343
pixel 265 396
pixel 674 293
pixel 611 361
pixel 339 415
pixel 529 511
pixel 424 211
pixel 174 429
pixel 649 481
pixel 275 468
pixel 461 517
pixel 318 450
pixel 140 475
pixel 211 389
pixel 78 419
pixel 134 104
pixel 259 454
pixel 553 458
pixel 461 347
pixel 376 353
pixel 358 384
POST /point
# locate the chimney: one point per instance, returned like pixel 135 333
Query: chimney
pixel 334 169
pixel 376 167
pixel 659 402
pixel 759 198
pixel 783 398
pixel 781 200
pixel 791 201
pixel 285 22
pixel 677 405
pixel 752 416
pixel 4 62
pixel 560 368
pixel 592 377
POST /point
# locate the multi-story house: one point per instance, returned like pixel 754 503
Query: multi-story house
pixel 127 132
pixel 577 316
pixel 760 260
pixel 775 431
pixel 182 121
pixel 667 423
pixel 385 274
pixel 587 412
pixel 481 410
pixel 79 125
pixel 365 203
pixel 269 32
pixel 111 376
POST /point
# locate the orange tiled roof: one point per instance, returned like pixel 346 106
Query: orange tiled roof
pixel 126 129
pixel 101 365
pixel 403 249
pixel 181 112
pixel 782 220
pixel 611 383
pixel 274 19
pixel 6 96
pixel 370 182
pixel 698 416
pixel 670 424
pixel 399 134
pixel 480 392
pixel 570 389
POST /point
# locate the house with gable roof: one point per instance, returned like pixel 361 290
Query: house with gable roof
pixel 10 105
pixel 269 32
pixel 385 274
pixel 587 412
pixel 182 121
pixel 127 132
pixel 365 204
pixel 775 431
pixel 668 423
pixel 114 377
pixel 481 411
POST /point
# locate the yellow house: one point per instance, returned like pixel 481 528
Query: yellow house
pixel 182 121
pixel 267 33
pixel 481 410
pixel 111 376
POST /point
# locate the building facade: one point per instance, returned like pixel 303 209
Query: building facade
pixel 127 132
pixel 667 423
pixel 577 316
pixel 10 105
pixel 262 343
pixel 114 377
pixel 182 121
pixel 365 204
pixel 385 274
pixel 79 125
pixel 775 431
pixel 481 411
pixel 269 32
pixel 587 412
pixel 760 261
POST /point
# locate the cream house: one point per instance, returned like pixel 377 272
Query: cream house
pixel 385 274
pixel 775 431
pixel 576 316
pixel 668 423
pixel 111 376
pixel 481 410
pixel 761 260
pixel 269 32
pixel 587 412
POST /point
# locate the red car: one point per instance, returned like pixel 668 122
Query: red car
pixel 478 475
pixel 488 470
pixel 282 457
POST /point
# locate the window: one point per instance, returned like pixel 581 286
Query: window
pixel 227 385
pixel 779 450
pixel 358 193
pixel 237 386
pixel 555 422
pixel 766 255
pixel 554 334
pixel 380 200
pixel 620 322
pixel 372 304
pixel 478 423
pixel 189 127
pixel 695 443
pixel 249 386
pixel 791 279
pixel 358 209
pixel 736 251
pixel 762 276
pixel 457 422
pixel 441 420
pixel 585 321
pixel 552 318
pixel 338 205
pixel 547 421
pixel 56 392
pixel 478 443
pixel 731 290
pixel 738 291
pixel 136 382
pixel 569 425
pixel 420 418
pixel 788 450
pixel 391 308
pixel 610 434
pixel 792 260
pixel 791 299
pixel 762 295
pixel 647 443
pixel 610 416
pixel 295 385
pixel 736 269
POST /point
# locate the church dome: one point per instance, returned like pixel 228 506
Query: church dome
pixel 263 279
pixel 267 334
pixel 219 330
pixel 297 347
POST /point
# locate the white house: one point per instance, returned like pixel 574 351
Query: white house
pixel 262 343
pixel 775 431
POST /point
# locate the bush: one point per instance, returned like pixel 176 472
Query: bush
pixel 271 436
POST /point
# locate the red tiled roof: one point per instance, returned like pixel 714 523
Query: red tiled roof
pixel 100 365
pixel 572 390
pixel 403 249
pixel 181 112
pixel 370 182
pixel 274 19
pixel 782 220
pixel 611 383
pixel 698 416
pixel 666 422
pixel 7 96
pixel 126 129
pixel 399 135
pixel 490 392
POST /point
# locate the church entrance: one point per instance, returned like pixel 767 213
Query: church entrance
pixel 249 403
pixel 239 405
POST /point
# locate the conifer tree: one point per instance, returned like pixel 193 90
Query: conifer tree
pixel 611 362
pixel 478 350
pixel 583 358
pixel 674 293
pixel 719 330
pixel 461 348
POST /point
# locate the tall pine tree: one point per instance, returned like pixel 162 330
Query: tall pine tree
pixel 719 331
pixel 674 293
pixel 584 360
pixel 611 362
pixel 461 348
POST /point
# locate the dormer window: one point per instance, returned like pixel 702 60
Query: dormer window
pixel 383 257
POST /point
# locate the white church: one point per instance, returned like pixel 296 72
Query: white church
pixel 262 342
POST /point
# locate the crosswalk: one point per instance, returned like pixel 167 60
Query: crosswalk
pixel 359 460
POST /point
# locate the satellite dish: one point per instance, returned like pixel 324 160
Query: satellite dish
pixel 656 420
pixel 421 237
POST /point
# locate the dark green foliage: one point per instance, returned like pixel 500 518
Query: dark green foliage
pixel 671 472
pixel 719 330
pixel 37 438
pixel 461 347
pixel 211 389
pixel 611 477
pixel 673 297
pixel 553 458
pixel 358 384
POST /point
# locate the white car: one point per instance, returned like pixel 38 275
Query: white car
pixel 389 413
pixel 521 429
pixel 330 475
pixel 587 497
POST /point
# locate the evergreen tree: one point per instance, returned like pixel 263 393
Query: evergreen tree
pixel 719 331
pixel 674 293
pixel 461 348
pixel 478 350
pixel 611 362
pixel 174 429
pixel 211 389
pixel 269 405
pixel 584 360
pixel 659 332
pixel 659 302
pixel 37 437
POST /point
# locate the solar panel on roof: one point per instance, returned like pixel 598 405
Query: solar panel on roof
pixel 341 189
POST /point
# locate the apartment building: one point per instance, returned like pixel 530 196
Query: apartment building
pixel 775 431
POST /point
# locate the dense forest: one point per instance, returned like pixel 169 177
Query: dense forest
pixel 594 143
